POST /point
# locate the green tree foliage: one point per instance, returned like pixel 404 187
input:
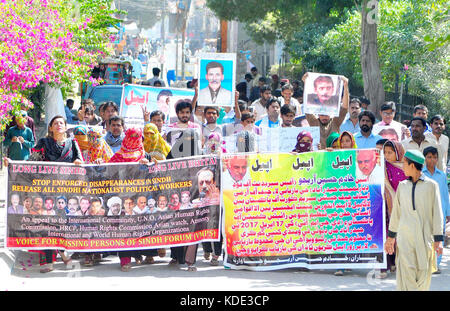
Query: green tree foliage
pixel 269 20
pixel 325 36
pixel 404 32
pixel 54 42
pixel 441 36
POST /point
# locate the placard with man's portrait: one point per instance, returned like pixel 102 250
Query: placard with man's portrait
pixel 322 94
pixel 217 79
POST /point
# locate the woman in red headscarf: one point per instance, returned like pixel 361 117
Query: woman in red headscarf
pixel 132 150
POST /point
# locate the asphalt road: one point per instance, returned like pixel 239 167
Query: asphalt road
pixel 19 271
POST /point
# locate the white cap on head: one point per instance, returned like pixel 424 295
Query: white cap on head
pixel 114 200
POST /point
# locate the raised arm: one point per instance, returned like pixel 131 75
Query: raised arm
pixel 237 111
pixel 194 99
pixel 312 119
pixel 145 114
pixel 345 102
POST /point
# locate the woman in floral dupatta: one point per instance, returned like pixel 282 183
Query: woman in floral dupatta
pixel 345 141
pixel 98 152
pixel 214 144
pixel 132 149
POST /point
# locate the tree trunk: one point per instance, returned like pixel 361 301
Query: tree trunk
pixel 53 102
pixel 183 39
pixel 373 84
pixel 183 56
pixel 176 56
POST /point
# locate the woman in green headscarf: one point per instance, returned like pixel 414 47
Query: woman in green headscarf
pixel 332 141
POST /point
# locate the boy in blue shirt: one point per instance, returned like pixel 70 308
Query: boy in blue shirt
pixel 272 118
pixel 431 171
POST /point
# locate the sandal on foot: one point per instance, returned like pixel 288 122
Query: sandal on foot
pixel 206 255
pixel 173 262
pixel 214 261
pixel 438 271
pixel 192 268
pixel 46 269
pixel 88 261
pixel 125 268
pixel 302 269
pixel 97 258
pixel 381 275
pixel 339 273
pixel 161 252
pixel 149 260
pixel 138 260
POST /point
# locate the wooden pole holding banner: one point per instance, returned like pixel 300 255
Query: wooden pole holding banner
pixel 223 35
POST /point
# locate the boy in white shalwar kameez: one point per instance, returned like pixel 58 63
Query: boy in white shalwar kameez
pixel 415 226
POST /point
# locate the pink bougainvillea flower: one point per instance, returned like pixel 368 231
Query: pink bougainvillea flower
pixel 40 41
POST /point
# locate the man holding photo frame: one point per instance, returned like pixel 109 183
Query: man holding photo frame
pixel 322 94
pixel 215 93
pixel 328 121
pixel 217 81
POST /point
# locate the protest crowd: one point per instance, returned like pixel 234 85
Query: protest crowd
pixel 99 135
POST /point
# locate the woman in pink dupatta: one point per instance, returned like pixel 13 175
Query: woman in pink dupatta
pixel 393 155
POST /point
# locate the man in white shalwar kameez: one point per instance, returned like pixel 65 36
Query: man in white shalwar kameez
pixel 415 226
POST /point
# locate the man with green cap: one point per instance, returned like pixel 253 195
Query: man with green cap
pixel 415 226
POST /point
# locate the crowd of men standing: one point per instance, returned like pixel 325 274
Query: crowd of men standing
pixel 262 103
